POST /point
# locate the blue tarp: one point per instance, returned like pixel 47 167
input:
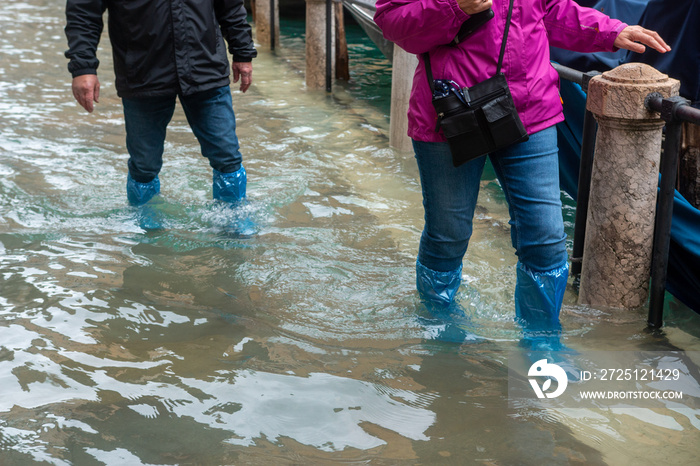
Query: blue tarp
pixel 675 20
pixel 628 11
pixel 672 19
pixel 678 22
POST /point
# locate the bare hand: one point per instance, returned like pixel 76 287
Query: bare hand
pixel 244 71
pixel 86 90
pixel 632 38
pixel 472 7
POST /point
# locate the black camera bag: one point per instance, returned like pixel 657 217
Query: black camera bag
pixel 485 120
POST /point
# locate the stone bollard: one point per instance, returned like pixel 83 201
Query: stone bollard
pixel 620 227
pixel 403 66
pixel 316 43
pixel 267 23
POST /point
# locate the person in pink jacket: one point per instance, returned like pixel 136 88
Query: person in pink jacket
pixel 528 171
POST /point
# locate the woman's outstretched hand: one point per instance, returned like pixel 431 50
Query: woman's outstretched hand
pixel 635 37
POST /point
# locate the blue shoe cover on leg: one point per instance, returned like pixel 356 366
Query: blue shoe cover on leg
pixel 538 299
pixel 139 195
pixel 435 287
pixel 231 188
pixel 446 320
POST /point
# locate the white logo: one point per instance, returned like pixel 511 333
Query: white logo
pixel 544 369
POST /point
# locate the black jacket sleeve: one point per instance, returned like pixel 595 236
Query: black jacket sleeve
pixel 231 15
pixel 83 30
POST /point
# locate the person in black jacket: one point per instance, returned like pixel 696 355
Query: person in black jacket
pixel 163 49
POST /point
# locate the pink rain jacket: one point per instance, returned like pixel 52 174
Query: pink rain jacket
pixel 419 26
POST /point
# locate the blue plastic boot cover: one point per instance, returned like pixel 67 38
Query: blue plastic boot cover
pixel 437 287
pixel 538 299
pixel 140 193
pixel 230 187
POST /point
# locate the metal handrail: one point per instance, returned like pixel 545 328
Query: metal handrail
pixel 585 167
pixel 675 111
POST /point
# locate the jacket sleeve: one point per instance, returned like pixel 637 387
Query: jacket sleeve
pixel 418 26
pixel 83 30
pixel 232 17
pixel 580 29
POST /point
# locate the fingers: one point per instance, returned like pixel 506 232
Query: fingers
pixel 485 5
pixel 625 43
pixel 244 71
pixel 472 7
pixel 86 90
pixel 654 40
pixel 84 97
pixel 635 38
pixel 246 80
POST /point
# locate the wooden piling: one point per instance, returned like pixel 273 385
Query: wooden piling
pixel 267 23
pixel 403 66
pixel 342 60
pixel 316 66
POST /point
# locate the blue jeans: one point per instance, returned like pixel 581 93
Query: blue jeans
pixel 209 114
pixel 528 173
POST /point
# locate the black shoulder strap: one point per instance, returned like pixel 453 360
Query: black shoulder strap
pixel 426 55
pixel 505 37
pixel 429 72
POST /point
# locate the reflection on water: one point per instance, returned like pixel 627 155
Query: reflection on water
pixel 303 344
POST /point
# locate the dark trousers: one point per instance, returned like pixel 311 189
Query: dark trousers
pixel 209 114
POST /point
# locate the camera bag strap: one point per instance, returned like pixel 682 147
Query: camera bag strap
pixel 426 55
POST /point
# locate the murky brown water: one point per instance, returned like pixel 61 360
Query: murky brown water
pixel 301 345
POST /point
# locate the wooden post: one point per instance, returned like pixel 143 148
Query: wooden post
pixel 622 205
pixel 267 23
pixel 689 171
pixel 316 44
pixel 403 66
pixel 342 61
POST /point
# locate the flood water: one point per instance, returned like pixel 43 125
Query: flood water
pixel 301 345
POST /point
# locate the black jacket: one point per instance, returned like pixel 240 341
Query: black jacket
pixel 160 47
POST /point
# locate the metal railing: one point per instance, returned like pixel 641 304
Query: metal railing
pixel 585 166
pixel 674 111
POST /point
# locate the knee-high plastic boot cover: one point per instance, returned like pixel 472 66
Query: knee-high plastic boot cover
pixel 538 299
pixel 446 320
pixel 230 187
pixel 140 193
pixel 435 287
